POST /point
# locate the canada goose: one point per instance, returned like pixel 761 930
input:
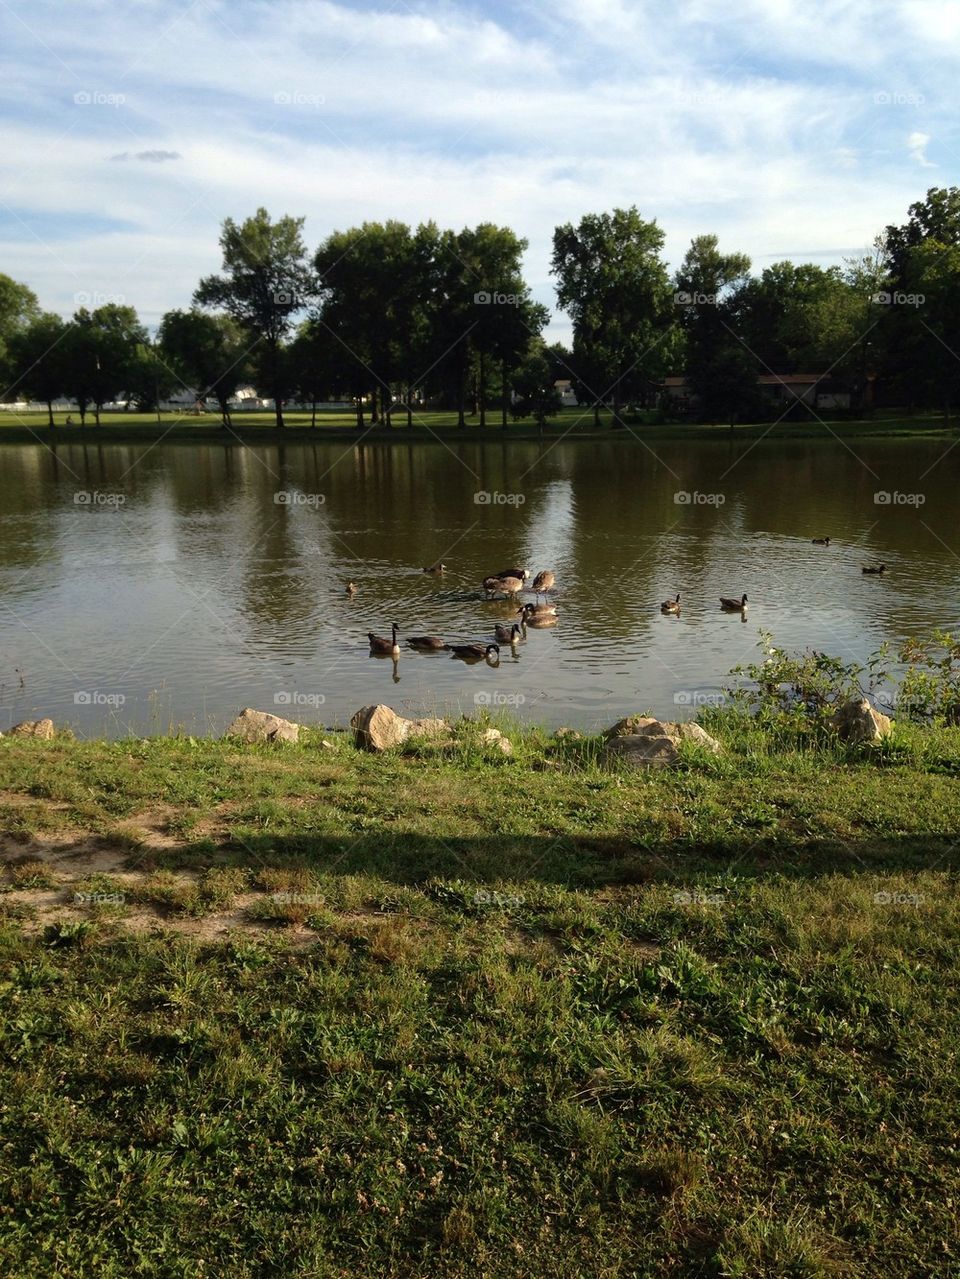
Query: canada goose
pixel 436 570
pixel 508 634
pixel 874 568
pixel 380 645
pixel 530 611
pixel 733 606
pixel 671 606
pixel 543 583
pixel 522 573
pixel 503 585
pixel 821 541
pixel 474 652
pixel 351 588
pixel 427 643
pixel 540 621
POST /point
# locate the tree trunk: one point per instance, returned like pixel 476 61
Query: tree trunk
pixel 596 414
pixel 461 397
pixel 50 414
pixel 313 417
pixel 409 406
pixel 359 412
pixel 505 398
pixel 96 413
pixel 483 389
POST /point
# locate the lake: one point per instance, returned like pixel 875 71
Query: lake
pixel 147 587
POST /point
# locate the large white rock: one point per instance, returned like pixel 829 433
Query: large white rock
pixel 857 721
pixel 261 726
pixel 377 728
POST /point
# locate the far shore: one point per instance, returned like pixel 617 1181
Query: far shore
pixel 571 424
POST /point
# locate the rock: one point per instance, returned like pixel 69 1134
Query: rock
pixel 857 721
pixel 260 726
pixel 643 750
pixel 565 734
pixel 327 746
pixel 377 728
pixel 42 728
pixel 646 726
pixel 493 737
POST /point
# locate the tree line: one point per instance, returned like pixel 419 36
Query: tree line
pixel 392 317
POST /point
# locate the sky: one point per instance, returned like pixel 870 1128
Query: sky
pixel 789 128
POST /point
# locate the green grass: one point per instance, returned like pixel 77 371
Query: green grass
pixel 23 427
pixel 480 1015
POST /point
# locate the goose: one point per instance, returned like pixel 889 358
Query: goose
pixel 503 585
pixel 671 606
pixel 543 583
pixel 522 573
pixel 821 541
pixel 540 621
pixel 474 652
pixel 351 588
pixel 427 643
pixel 529 611
pixel 508 634
pixel 380 645
pixel 874 568
pixel 733 606
pixel 436 570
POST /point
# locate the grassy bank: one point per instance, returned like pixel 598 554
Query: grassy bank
pixel 451 1012
pixel 572 423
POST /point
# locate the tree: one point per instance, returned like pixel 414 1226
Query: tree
pixel 312 365
pixel 535 383
pixel 721 371
pixel 100 353
pixel 208 352
pixel 266 281
pixel 38 362
pixel 937 217
pixel 613 282
pixel 18 308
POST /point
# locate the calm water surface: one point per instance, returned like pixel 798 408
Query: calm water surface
pixel 201 592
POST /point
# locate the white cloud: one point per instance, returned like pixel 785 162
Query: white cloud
pixel 917 146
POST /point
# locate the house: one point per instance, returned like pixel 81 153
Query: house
pixel 567 393
pixel 817 390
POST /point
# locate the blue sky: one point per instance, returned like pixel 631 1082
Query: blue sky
pixel 790 128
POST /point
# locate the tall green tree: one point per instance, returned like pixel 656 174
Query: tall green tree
pixel 208 352
pixel 613 282
pixel 266 281
pixel 100 351
pixel 18 308
pixel 38 363
pixel 721 371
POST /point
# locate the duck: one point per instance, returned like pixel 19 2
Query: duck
pixel 733 606
pixel 436 570
pixel 508 634
pixel 874 568
pixel 427 643
pixel 543 583
pixel 351 588
pixel 474 652
pixel 380 645
pixel 671 606
pixel 530 611
pixel 821 541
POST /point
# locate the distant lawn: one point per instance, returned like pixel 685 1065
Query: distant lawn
pixel 23 427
